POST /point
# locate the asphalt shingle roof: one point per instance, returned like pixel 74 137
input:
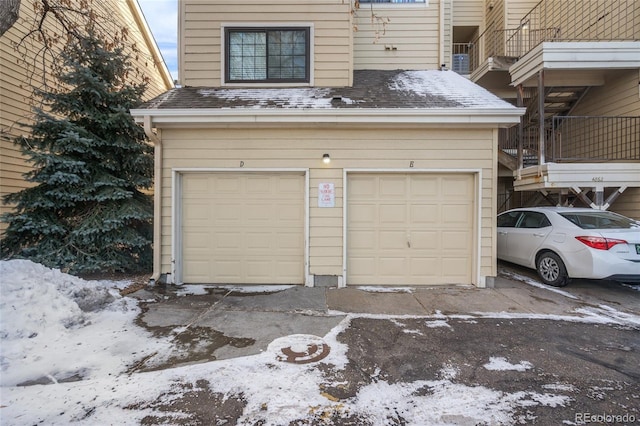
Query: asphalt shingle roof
pixel 372 89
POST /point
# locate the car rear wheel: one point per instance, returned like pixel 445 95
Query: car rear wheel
pixel 551 270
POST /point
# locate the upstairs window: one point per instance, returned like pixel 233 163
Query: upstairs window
pixel 267 55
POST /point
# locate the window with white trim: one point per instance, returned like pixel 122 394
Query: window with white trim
pixel 267 55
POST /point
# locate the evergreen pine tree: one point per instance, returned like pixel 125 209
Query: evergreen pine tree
pixel 87 211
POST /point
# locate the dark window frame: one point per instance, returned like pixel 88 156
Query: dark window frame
pixel 243 29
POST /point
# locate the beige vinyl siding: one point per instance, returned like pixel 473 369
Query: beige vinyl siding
pixel 19 78
pixel 619 96
pixel 516 10
pixel 628 203
pixel 413 29
pixel 468 13
pixel 495 11
pixel 201 38
pixel 268 148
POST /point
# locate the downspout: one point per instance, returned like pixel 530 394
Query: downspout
pixel 157 198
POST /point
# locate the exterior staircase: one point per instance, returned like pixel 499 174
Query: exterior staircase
pixel 558 102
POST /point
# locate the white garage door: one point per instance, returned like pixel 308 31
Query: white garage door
pixel 410 229
pixel 243 228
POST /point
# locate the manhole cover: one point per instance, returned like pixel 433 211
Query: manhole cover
pixel 300 349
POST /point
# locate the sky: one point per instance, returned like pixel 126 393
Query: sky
pixel 162 18
pixel 56 325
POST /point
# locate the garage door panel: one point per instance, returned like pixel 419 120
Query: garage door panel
pixel 455 215
pixel 455 267
pixel 288 186
pixel 424 187
pixel 198 211
pixel 392 239
pixel 392 266
pixel 363 187
pixel 197 185
pixel 423 239
pixel 224 184
pixel 287 243
pixel 198 240
pixel 402 227
pixel 288 212
pixel 424 213
pixel 362 239
pixel 259 185
pixel 245 228
pixel 392 187
pixel 363 214
pixel 223 211
pixel 392 213
pixel 224 269
pixel 422 268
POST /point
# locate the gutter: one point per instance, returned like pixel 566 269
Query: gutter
pixel 489 117
pixel 157 198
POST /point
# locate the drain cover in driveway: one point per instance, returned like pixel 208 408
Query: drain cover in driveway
pixel 300 349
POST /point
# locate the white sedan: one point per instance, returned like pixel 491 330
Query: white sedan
pixel 564 242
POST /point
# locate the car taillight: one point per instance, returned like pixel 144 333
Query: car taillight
pixel 600 243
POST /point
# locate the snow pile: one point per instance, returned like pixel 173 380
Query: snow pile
pixel 59 327
pixel 501 364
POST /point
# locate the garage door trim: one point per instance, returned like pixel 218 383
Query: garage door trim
pixel 176 213
pixel 477 173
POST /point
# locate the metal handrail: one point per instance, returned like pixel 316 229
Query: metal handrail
pixel 577 138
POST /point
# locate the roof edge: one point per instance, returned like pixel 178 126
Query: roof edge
pixel 497 116
pixel 158 59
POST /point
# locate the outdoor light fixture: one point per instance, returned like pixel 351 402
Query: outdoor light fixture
pixel 326 159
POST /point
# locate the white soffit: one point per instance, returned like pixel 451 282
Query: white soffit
pixel 576 56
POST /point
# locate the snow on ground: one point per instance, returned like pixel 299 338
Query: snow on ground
pixel 530 281
pixel 57 326
pixel 188 290
pixel 54 326
pixel 501 364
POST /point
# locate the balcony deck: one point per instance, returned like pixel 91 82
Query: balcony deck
pixel 554 176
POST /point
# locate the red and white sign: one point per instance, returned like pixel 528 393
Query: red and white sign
pixel 326 195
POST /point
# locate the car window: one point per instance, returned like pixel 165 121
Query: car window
pixel 534 220
pixel 600 220
pixel 509 219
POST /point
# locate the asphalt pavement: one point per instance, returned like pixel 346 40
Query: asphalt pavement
pixel 585 336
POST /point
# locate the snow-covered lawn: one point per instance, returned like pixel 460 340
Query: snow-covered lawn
pixel 74 344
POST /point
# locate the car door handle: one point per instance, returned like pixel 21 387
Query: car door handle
pixel 538 235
